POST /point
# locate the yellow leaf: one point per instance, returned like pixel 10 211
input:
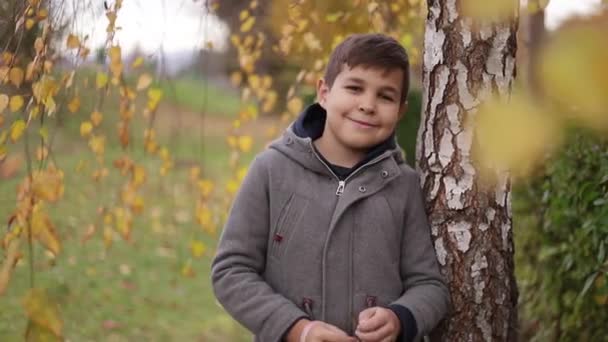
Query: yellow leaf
pixel 73 42
pixel 198 248
pixel 39 45
pixel 4 99
pixel 245 143
pixel 8 263
pixel 108 236
pixel 243 15
pixel 295 105
pixel 154 96
pixel 97 144
pixel 29 23
pixel 514 136
pixel 232 187
pixel 17 129
pixel 16 76
pixel 74 104
pixel 247 24
pixel 101 80
pixel 206 187
pixel 187 270
pixel 96 118
pixel 144 81
pixel 86 128
pixel 236 78
pixel 44 230
pixel 48 184
pixel 115 54
pixel 42 14
pixel 43 310
pixel 139 176
pixel 137 62
pixel 4 71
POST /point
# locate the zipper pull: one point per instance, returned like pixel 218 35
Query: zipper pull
pixel 340 189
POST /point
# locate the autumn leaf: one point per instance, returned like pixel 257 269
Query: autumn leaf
pixel 41 309
pixel 144 81
pixel 197 248
pixel 39 45
pixel 154 96
pixel 73 42
pixel 44 231
pixel 101 80
pixel 137 62
pixel 295 105
pixel 74 104
pixel 86 128
pixel 29 23
pixel 16 76
pixel 8 263
pixel 115 54
pixel 139 176
pixel 247 24
pixel 245 143
pixel 96 118
pixel 205 186
pixel 17 129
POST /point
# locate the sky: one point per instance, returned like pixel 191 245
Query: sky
pixel 182 26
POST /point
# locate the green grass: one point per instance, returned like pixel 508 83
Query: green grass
pixel 196 94
pixel 153 301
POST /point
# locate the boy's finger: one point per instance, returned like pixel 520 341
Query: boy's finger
pixel 330 335
pixel 372 323
pixel 367 314
pixel 375 335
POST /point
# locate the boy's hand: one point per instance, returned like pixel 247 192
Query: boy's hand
pixel 378 325
pixel 317 331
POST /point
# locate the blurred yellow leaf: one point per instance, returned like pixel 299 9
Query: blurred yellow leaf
pixel 48 184
pixel 247 24
pixel 15 103
pixel 29 23
pixel 236 78
pixel 496 9
pixel 73 42
pixel 154 96
pixel 96 118
pixel 197 248
pixel 245 143
pixel 44 230
pixel 43 310
pixel 582 91
pixel 74 104
pixel 115 54
pixel 101 80
pixel 108 236
pixel 8 263
pixel 17 129
pixel 86 128
pixel 4 99
pixel 39 45
pixel 16 76
pixel 42 14
pixel 232 186
pixel 187 270
pixel 514 137
pixel 144 81
pixel 206 187
pixel 137 62
pixel 97 144
pixel 295 105
pixel 139 176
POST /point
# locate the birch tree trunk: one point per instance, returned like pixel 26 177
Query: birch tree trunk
pixel 464 62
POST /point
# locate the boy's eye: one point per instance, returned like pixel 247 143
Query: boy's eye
pixel 353 88
pixel 387 97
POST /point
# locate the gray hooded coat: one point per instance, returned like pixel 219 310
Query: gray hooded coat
pixel 300 243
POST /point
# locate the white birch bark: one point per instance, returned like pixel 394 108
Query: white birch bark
pixel 465 61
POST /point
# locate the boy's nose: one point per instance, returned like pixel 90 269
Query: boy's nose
pixel 366 107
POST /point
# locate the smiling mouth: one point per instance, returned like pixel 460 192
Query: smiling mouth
pixel 362 123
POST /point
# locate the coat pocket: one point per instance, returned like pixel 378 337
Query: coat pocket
pixel 286 222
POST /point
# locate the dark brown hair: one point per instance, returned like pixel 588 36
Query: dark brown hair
pixel 369 50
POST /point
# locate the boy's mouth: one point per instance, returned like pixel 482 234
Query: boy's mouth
pixel 362 123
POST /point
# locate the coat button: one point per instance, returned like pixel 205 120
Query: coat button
pixel 362 189
pixel 384 173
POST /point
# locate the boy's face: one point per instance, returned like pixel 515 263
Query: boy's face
pixel 363 106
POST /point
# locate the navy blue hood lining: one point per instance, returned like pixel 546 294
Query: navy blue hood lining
pixel 311 123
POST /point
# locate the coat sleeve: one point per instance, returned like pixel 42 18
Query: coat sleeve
pixel 426 294
pixel 240 260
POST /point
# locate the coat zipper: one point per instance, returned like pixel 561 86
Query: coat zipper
pixel 342 183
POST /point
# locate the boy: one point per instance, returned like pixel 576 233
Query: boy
pixel 327 239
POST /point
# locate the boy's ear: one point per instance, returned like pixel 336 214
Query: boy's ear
pixel 402 109
pixel 322 90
